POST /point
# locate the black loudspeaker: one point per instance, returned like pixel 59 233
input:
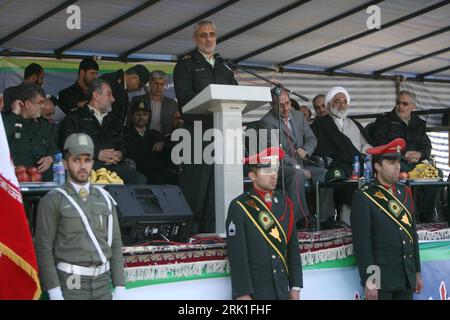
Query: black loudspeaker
pixel 151 212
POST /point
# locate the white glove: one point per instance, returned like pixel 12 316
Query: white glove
pixel 55 294
pixel 119 293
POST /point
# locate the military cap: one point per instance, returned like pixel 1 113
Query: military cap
pixel 267 158
pixel 335 174
pixel 141 102
pixel 79 143
pixel 391 150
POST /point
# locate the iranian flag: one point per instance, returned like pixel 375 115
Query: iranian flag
pixel 18 265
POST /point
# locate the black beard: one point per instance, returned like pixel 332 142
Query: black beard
pixel 76 180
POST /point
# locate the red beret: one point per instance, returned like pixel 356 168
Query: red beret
pixel 265 158
pixel 392 149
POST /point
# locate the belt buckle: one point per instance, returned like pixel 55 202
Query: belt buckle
pixel 97 271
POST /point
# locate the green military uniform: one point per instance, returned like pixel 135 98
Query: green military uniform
pixel 29 140
pixel 262 247
pixel 262 241
pixel 384 235
pixel 64 247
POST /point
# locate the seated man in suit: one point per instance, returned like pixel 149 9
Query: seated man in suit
pixel 400 123
pixel 104 126
pixel 298 142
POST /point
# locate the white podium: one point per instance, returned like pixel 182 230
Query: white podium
pixel 227 103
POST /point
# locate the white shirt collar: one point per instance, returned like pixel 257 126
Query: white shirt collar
pixel 339 121
pixel 78 187
pixel 211 60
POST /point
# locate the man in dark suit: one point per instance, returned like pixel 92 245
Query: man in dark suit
pixel 401 123
pixel 383 230
pixel 104 126
pixel 194 72
pixel 33 73
pixel 75 96
pixel 298 143
pixel 262 241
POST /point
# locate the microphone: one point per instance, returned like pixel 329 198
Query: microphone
pixel 221 60
pixel 227 64
pixel 296 94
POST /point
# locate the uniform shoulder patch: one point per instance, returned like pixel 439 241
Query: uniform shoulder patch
pixel 185 57
pixel 231 229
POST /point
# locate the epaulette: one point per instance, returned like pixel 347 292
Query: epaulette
pixel 185 57
pixel 73 109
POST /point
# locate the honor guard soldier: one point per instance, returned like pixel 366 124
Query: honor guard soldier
pixel 384 233
pixel 262 242
pixel 78 242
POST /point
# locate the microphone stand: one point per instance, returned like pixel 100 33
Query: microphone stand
pixel 279 85
pixel 278 90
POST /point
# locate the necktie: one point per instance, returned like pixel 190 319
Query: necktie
pixel 83 194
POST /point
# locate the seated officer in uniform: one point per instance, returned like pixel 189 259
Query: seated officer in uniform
pixel 384 232
pixel 30 137
pixel 78 242
pixel 262 241
pixel 146 147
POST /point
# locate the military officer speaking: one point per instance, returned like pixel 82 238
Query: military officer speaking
pixel 78 243
pixel 384 233
pixel 262 241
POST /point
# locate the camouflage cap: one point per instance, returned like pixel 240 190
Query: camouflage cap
pixel 79 143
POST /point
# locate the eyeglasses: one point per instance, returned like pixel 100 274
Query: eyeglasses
pixel 204 35
pixel 403 103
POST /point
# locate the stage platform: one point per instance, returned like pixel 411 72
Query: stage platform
pixel 327 257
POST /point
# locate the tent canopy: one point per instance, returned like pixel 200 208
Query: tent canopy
pixel 326 36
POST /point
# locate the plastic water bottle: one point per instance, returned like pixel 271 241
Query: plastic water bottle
pixel 356 168
pixel 59 174
pixel 368 168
